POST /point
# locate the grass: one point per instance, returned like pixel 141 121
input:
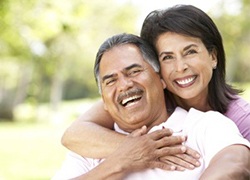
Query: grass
pixel 32 151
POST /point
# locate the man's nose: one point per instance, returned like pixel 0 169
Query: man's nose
pixel 124 83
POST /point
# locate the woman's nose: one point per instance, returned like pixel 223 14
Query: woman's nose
pixel 181 65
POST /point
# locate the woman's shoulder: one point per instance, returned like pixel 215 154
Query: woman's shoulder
pixel 239 104
pixel 238 110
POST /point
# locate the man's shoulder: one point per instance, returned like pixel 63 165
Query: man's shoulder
pixel 208 118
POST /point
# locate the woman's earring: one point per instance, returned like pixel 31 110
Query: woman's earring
pixel 215 66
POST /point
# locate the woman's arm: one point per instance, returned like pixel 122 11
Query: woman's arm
pixel 91 135
pixel 233 162
pixel 131 157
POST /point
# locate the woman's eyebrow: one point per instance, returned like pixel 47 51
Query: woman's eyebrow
pixel 165 52
pixel 185 48
pixel 189 46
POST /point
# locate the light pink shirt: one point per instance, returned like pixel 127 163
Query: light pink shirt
pixel 239 112
pixel 208 133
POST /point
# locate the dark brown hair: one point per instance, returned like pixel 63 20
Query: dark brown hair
pixel 191 21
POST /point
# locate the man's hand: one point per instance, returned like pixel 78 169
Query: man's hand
pixel 141 151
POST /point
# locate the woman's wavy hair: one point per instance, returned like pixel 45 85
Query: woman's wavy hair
pixel 191 21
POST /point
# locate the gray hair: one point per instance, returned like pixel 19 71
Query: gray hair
pixel 146 50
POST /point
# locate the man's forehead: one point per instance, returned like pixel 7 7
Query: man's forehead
pixel 121 57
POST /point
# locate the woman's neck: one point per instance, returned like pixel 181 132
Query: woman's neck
pixel 197 103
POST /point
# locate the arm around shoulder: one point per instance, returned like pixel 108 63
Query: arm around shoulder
pixel 91 135
pixel 106 171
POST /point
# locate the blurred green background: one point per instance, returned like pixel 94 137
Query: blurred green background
pixel 47 51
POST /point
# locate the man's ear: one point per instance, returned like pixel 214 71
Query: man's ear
pixel 163 84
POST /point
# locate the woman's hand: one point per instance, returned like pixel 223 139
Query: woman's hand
pixel 158 149
pixel 188 160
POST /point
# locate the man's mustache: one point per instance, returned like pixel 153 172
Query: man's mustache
pixel 129 93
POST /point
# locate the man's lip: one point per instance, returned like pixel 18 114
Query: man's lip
pixel 129 99
pixel 132 102
pixel 131 95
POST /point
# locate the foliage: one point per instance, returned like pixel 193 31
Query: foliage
pixel 47 48
pixel 235 29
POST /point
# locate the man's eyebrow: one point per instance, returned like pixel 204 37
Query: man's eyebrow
pixel 125 69
pixel 107 77
pixel 132 66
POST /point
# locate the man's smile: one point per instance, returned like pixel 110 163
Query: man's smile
pixel 130 97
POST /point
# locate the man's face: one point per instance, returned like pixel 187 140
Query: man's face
pixel 131 90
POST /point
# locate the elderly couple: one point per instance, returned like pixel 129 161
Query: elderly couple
pixel 166 110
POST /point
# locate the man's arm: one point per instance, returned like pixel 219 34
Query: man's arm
pixel 232 162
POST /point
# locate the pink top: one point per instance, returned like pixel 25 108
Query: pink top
pixel 239 112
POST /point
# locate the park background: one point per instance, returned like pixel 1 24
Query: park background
pixel 47 52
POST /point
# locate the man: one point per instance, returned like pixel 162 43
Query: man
pixel 127 73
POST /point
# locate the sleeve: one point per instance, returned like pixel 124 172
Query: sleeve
pixel 73 166
pixel 219 132
pixel 239 112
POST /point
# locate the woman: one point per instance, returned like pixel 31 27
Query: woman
pixel 204 89
pixel 214 93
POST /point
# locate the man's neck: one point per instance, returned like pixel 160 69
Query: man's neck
pixel 162 118
pixel 158 120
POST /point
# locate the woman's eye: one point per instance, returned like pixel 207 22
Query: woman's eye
pixel 167 58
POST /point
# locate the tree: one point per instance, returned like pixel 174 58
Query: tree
pixel 47 45
pixel 235 29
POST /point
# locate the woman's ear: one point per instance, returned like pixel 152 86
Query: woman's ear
pixel 214 58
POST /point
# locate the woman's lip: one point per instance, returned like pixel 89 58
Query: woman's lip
pixel 185 82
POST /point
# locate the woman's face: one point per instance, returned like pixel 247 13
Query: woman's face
pixel 186 65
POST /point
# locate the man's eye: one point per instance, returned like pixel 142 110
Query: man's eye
pixel 109 82
pixel 134 72
pixel 191 51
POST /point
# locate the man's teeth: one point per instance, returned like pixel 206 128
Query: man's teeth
pixel 124 101
pixel 185 81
